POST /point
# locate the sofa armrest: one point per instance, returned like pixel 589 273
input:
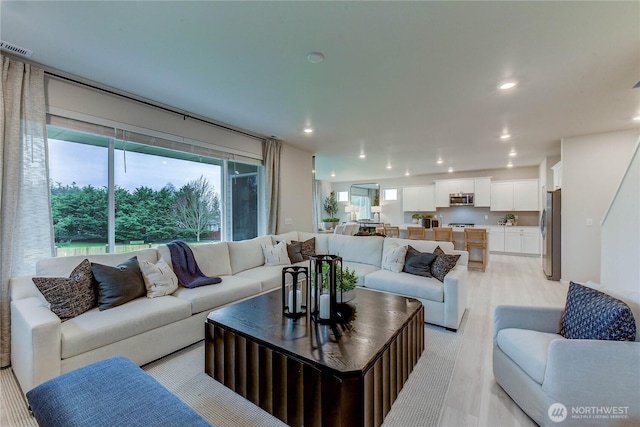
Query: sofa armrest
pixel 594 373
pixel 23 287
pixel 455 288
pixel 542 319
pixel 35 342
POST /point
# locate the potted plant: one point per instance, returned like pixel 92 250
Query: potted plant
pixel 331 207
pixel 416 217
pixel 346 283
pixel 510 219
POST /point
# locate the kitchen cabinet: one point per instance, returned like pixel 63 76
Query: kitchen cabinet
pixel 496 238
pixel 522 240
pixel 444 188
pixel 419 199
pixel 515 195
pixel 482 190
pixel 557 175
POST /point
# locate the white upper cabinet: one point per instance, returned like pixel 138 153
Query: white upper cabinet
pixel 482 192
pixel 515 195
pixel 557 175
pixel 419 199
pixel 446 187
pixel 442 194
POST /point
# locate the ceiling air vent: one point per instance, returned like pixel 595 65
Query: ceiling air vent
pixel 15 49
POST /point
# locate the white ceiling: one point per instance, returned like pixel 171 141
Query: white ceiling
pixel 403 82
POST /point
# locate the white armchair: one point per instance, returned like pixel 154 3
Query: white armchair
pixel 538 368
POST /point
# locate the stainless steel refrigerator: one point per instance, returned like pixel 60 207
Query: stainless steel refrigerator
pixel 550 229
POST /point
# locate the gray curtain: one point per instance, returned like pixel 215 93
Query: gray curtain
pixel 26 233
pixel 272 149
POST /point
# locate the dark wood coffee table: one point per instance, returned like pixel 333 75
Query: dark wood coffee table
pixel 313 374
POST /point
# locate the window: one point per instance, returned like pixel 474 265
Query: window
pixel 391 194
pixel 116 191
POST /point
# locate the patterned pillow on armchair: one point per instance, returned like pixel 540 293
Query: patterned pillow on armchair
pixel 593 315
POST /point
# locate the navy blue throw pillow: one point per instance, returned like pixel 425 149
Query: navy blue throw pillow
pixel 593 315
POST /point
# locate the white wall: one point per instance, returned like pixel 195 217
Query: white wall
pixel 592 166
pixel 296 189
pixel 620 255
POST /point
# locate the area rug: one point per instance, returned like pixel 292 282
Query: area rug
pixel 419 404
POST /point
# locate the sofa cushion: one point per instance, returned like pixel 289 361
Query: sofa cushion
pixel 159 278
pixel 361 270
pixel 69 297
pixel 95 329
pixel 443 264
pixel 212 258
pixel 321 241
pixel 393 258
pixel 285 237
pixel 405 284
pixel 275 254
pixel 247 253
pixel 593 315
pixel 418 263
pixel 269 276
pixel 62 266
pixel 118 285
pixel 528 349
pixel 206 298
pixel 357 249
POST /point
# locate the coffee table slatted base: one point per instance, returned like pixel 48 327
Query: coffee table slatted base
pixel 301 394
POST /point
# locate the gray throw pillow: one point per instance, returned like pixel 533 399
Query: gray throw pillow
pixel 70 297
pixel 418 263
pixel 118 285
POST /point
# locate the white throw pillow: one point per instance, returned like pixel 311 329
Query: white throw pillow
pixel 393 259
pixel 276 255
pixel 159 278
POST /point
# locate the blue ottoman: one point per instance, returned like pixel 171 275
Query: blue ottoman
pixel 111 392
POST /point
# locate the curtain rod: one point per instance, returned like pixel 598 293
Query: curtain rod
pixel 151 104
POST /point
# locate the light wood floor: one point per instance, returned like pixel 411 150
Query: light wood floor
pixel 474 398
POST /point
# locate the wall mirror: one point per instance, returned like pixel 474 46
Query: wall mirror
pixel 363 196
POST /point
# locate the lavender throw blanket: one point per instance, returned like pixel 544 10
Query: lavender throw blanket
pixel 186 267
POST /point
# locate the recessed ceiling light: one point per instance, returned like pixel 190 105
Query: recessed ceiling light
pixel 315 57
pixel 333 174
pixel 362 155
pixel 513 154
pixel 510 165
pixel 637 118
pixel 406 173
pixel 450 169
pixel 308 130
pixel 505 136
pixel 440 161
pixel 389 166
pixel 507 85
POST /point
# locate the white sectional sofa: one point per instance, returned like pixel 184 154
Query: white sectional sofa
pixel 145 329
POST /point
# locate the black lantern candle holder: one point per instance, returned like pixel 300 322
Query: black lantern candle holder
pixel 325 271
pixel 295 291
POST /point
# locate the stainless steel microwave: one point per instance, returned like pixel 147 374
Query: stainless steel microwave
pixel 461 199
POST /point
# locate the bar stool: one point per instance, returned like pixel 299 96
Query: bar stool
pixel 443 234
pixel 416 233
pixel 380 230
pixel 476 238
pixel 392 231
